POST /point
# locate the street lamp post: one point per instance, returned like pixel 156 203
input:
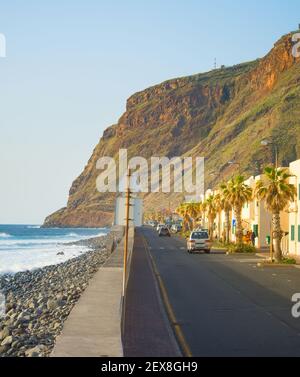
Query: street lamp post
pixel 127 221
pixel 217 175
pixel 267 143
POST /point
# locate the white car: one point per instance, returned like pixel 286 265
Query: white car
pixel 159 226
pixel 176 228
pixel 199 241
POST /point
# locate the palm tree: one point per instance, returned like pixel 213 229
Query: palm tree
pixel 237 193
pixel 211 213
pixel 193 212
pixel 277 193
pixel 203 207
pixel 226 207
pixel 219 207
pixel 182 211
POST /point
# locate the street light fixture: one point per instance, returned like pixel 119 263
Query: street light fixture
pixel 214 174
pixel 235 163
pixel 267 143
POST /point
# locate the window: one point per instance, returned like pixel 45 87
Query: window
pixel 293 232
pixel 200 236
pixel 255 229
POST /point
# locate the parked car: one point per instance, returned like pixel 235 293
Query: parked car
pixel 199 241
pixel 176 228
pixel 164 232
pixel 201 230
pixel 159 226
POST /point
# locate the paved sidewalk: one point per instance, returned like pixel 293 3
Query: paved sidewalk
pixel 93 327
pixel 147 331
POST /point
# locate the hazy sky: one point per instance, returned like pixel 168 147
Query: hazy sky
pixel 71 65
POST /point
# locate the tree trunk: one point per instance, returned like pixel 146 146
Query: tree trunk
pixel 194 224
pixel 239 226
pixel 227 226
pixel 210 221
pixel 219 226
pixel 277 236
pixel 203 219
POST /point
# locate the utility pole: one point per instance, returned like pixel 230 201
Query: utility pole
pixel 127 220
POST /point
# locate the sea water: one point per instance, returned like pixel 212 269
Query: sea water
pixel 28 247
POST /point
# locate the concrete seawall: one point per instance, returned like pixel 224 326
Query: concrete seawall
pixel 93 328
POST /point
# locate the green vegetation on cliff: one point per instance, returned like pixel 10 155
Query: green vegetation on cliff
pixel 222 115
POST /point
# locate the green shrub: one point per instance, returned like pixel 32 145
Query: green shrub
pixel 289 261
pixel 241 248
pixel 220 245
pixel 185 234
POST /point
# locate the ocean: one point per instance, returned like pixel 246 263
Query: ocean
pixel 28 247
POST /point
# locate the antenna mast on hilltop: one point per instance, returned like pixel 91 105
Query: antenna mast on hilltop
pixel 215 63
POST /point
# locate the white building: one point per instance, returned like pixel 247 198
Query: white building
pixel 255 218
pixel 294 215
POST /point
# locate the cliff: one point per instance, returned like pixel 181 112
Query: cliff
pixel 222 115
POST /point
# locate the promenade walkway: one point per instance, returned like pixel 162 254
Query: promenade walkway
pixel 93 327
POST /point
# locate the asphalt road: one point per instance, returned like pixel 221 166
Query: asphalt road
pixel 226 305
pixel 147 331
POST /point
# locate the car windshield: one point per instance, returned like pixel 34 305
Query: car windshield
pixel 199 236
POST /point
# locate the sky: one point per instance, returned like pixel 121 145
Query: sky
pixel 70 66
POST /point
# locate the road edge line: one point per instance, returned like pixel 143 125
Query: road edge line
pixel 170 312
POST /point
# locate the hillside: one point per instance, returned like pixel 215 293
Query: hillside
pixel 222 115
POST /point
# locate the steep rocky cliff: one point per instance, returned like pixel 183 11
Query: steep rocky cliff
pixel 222 115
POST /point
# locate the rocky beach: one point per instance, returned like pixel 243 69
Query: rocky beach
pixel 38 302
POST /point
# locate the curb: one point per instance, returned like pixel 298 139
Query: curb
pixel 268 265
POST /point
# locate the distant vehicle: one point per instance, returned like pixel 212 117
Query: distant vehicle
pixel 176 228
pixel 159 226
pixel 164 232
pixel 153 223
pixel 199 241
pixel 201 230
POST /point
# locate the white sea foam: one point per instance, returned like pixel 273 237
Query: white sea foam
pixel 29 253
pixel 43 241
pixel 12 261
